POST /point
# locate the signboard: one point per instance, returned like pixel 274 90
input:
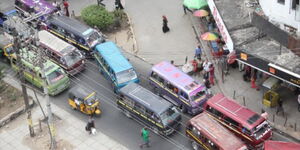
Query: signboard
pixel 221 26
pixel 269 68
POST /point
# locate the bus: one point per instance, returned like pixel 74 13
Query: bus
pixel 35 8
pixel 62 53
pixel 114 66
pixel 280 145
pixel 245 123
pixel 140 103
pixel 206 133
pixel 179 88
pixel 56 79
pixel 75 32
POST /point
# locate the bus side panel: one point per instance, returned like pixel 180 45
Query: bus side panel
pixel 137 115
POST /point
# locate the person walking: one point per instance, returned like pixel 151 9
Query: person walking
pixel 145 137
pixel 165 27
pixel 118 4
pixel 299 102
pixel 90 125
pixel 211 74
pixel 66 7
pixel 198 52
pixel 280 108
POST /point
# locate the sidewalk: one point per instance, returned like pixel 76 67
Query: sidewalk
pixel 70 131
pixel 236 88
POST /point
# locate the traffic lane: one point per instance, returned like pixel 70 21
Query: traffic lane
pixel 112 122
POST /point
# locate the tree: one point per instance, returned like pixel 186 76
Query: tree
pixel 98 16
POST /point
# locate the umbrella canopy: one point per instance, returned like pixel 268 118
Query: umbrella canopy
pixel 195 4
pixel 200 13
pixel 209 36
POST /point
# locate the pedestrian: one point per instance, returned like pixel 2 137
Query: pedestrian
pixel 264 114
pixel 118 4
pixel 299 102
pixel 90 125
pixel 280 108
pixel 211 74
pixel 165 27
pixel 206 83
pixel 145 137
pixel 56 5
pixel 66 7
pixel 198 52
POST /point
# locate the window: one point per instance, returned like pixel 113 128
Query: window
pixel 281 1
pixel 53 26
pixel 140 108
pixel 214 112
pixel 295 3
pixel 184 95
pixel 231 122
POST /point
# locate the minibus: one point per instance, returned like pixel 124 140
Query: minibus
pixel 179 88
pixel 148 108
pixel 56 79
pixel 245 123
pixel 34 8
pixel 75 32
pixel 206 133
pixel 114 66
pixel 62 53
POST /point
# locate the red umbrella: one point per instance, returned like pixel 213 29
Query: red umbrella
pixel 200 13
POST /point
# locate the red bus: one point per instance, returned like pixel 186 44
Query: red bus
pixel 280 145
pixel 245 123
pixel 207 133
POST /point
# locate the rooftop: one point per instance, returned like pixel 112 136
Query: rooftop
pixel 235 15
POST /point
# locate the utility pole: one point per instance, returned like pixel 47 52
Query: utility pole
pixel 41 62
pixel 17 47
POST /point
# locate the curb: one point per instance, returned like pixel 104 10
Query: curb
pixel 10 117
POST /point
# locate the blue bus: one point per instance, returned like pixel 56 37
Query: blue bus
pixel 114 66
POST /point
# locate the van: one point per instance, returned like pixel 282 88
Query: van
pixel 75 32
pixel 137 102
pixel 62 53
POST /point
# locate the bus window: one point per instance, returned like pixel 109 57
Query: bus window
pixel 170 86
pixel 214 112
pixel 53 26
pixel 231 122
pixel 140 108
pixel 184 95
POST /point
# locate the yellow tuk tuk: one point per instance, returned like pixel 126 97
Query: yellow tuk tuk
pixel 84 101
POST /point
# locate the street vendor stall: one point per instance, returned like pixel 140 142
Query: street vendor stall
pixel 271 97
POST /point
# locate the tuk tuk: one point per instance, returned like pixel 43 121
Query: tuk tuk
pixel 6 45
pixel 84 101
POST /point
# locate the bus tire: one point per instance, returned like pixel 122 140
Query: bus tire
pixel 195 145
pixel 182 109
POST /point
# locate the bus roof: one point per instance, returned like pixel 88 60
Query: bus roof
pixel 237 112
pixel 113 57
pixel 40 5
pixel 59 46
pixel 216 132
pixel 72 25
pixel 280 145
pixel 30 55
pixel 143 96
pixel 176 77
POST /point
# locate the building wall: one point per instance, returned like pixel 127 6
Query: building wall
pixel 282 13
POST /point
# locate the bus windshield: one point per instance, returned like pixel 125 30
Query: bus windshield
pixel 72 58
pixel 168 115
pixel 198 95
pixel 260 130
pixel 55 76
pixel 93 38
pixel 126 76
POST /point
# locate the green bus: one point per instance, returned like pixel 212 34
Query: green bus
pixel 56 79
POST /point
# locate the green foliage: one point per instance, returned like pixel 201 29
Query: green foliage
pixel 98 16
